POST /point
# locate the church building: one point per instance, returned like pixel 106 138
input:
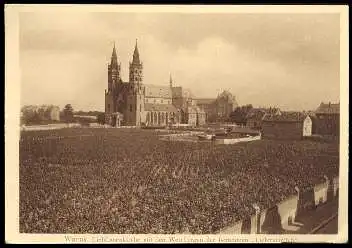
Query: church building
pixel 135 103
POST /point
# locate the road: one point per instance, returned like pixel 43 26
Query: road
pixel 329 228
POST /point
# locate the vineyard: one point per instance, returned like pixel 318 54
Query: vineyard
pixel 129 181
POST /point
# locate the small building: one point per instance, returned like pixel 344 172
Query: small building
pixel 286 125
pixel 328 119
pixel 255 116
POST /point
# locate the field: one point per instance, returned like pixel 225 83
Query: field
pixel 129 181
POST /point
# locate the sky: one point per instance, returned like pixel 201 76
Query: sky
pixel 290 61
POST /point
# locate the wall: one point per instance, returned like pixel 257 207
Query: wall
pixel 335 186
pixel 49 126
pixel 320 193
pixel 234 141
pixel 288 210
pixel 277 219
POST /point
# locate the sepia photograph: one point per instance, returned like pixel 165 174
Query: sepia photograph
pixel 188 124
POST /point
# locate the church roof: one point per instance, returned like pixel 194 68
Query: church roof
pixel 328 108
pixel 160 107
pixel 158 91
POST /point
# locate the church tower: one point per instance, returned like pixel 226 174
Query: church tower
pixel 136 67
pixel 114 69
pixel 114 79
pixel 136 92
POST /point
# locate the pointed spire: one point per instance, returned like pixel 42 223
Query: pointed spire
pixel 114 56
pixel 136 55
pixel 170 81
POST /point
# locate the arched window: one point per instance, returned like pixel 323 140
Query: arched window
pixel 155 118
pixel 163 118
pixel 130 107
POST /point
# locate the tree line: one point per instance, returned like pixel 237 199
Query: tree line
pixel 43 115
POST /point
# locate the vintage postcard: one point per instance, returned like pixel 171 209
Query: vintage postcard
pixel 176 124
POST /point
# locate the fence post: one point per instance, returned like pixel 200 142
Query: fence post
pixel 298 192
pixel 328 188
pixel 257 217
pixel 299 201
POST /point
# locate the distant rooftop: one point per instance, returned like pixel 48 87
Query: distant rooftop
pixel 328 108
pixel 287 116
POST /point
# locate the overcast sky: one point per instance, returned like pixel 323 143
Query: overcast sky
pixel 286 60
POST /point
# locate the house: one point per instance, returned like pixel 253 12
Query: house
pixel 255 116
pixel 218 109
pixel 286 125
pixel 328 119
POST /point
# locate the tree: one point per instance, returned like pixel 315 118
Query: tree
pixel 101 118
pixel 239 114
pixel 30 116
pixel 68 113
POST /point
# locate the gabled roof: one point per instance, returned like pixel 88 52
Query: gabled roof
pixel 285 117
pixel 160 107
pixel 328 108
pixel 158 91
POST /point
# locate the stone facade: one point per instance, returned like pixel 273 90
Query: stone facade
pixel 218 109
